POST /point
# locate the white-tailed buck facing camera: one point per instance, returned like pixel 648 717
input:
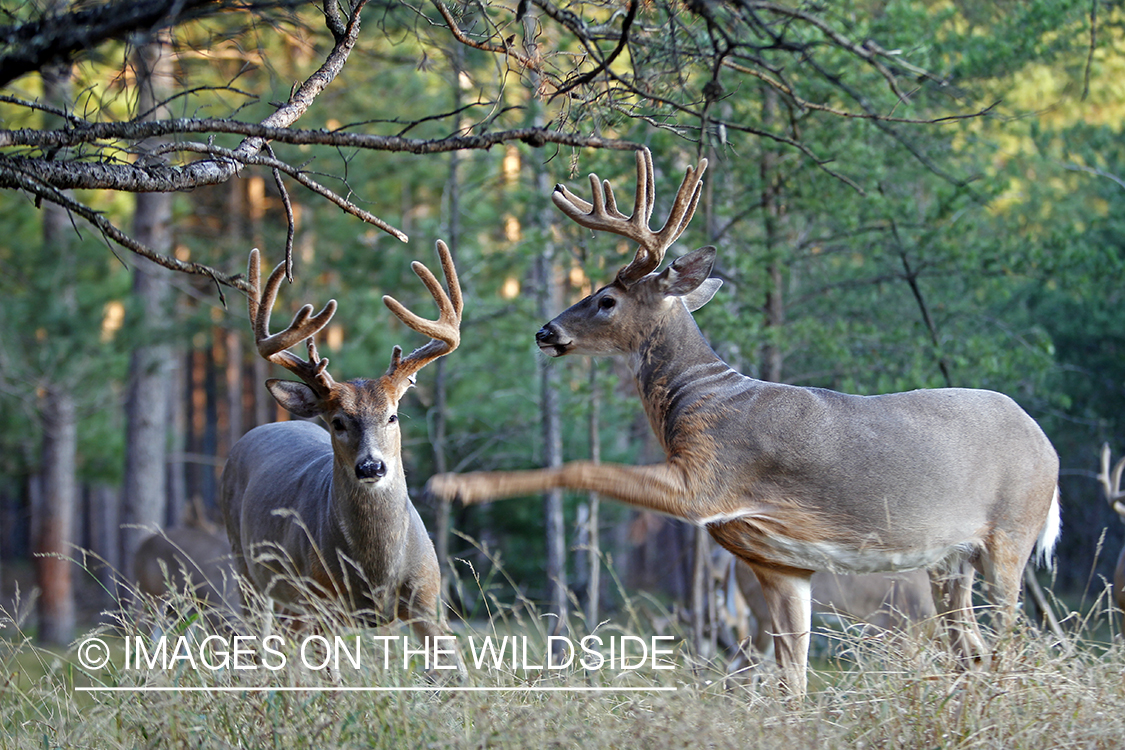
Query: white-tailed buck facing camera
pixel 331 507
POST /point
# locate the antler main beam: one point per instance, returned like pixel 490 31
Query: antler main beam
pixel 305 326
pixel 603 214
pixel 444 333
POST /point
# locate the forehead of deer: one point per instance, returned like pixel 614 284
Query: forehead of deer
pixel 361 396
pixel 633 289
pixel 619 282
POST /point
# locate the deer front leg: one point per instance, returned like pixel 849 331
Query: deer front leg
pixel 788 594
pixel 659 487
pixel 419 609
pixel 418 604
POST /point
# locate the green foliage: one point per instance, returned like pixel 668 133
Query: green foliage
pixel 987 252
pixel 56 306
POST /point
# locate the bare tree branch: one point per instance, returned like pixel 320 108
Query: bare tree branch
pixel 225 163
pixel 31 45
pixel 94 132
pixel 46 178
pixel 672 65
pixel 111 232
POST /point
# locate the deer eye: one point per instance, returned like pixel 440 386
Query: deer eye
pixel 338 424
pixel 392 419
pixel 606 303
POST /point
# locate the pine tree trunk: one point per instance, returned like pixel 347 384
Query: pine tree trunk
pixel 102 507
pixel 550 419
pixel 593 538
pixel 549 306
pixel 443 511
pixel 54 513
pixel 55 517
pixel 177 405
pixel 146 403
pixel 773 212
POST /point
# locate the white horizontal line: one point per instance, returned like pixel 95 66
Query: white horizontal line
pixel 412 689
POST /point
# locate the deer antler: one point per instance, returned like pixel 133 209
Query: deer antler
pixel 1111 481
pixel 603 214
pixel 444 333
pixel 305 326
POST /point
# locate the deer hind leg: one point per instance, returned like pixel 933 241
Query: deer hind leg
pixel 1002 566
pixel 788 593
pixel 953 596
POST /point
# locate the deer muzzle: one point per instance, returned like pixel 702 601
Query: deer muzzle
pixel 553 341
pixel 370 470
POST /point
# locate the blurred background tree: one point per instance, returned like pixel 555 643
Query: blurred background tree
pixel 904 194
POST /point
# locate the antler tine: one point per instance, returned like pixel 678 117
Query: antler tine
pixel 305 326
pixel 1111 481
pixel 444 333
pixel 603 214
pixel 644 199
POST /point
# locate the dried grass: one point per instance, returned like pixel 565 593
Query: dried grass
pixel 874 692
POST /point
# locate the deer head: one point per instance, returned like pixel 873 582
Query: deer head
pixel 616 317
pixel 362 414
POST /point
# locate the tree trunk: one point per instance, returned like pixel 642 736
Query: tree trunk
pixel 176 476
pixel 772 212
pixel 549 414
pixel 54 518
pixel 443 510
pixel 593 538
pixel 146 402
pixel 233 356
pixel 549 305
pixel 102 507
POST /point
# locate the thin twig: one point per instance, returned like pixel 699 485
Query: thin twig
pixel 290 221
pixel 111 232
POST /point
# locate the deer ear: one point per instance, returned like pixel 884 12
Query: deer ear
pixel 296 398
pixel 702 294
pixel 687 273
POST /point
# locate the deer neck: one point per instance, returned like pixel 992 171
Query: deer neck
pixel 371 520
pixel 671 367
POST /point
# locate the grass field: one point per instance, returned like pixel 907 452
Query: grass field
pixel 872 691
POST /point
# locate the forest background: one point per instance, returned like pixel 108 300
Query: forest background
pixel 903 195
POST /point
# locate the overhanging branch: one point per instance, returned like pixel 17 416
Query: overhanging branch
pixel 27 47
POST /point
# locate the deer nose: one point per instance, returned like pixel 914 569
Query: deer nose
pixel 370 468
pixel 545 335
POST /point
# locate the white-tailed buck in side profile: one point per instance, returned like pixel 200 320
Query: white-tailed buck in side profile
pixel 793 480
pixel 892 601
pixel 1111 486
pixel 331 507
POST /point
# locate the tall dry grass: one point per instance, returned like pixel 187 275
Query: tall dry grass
pixel 873 691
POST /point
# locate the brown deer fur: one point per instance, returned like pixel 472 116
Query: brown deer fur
pixel 331 506
pixel 793 480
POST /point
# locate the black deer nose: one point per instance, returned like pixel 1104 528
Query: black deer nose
pixel 370 468
pixel 545 335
